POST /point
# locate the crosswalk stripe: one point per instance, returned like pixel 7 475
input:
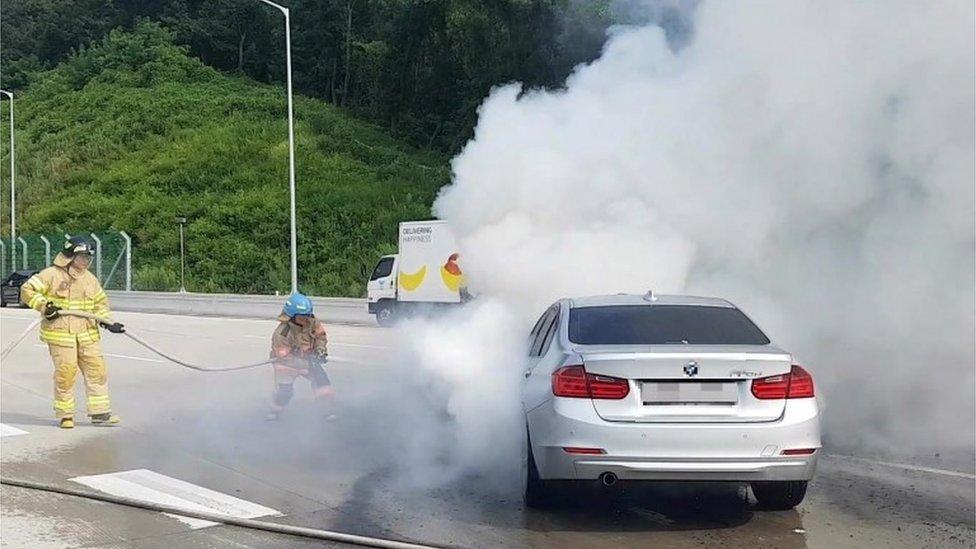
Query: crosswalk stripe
pixel 152 487
pixel 10 430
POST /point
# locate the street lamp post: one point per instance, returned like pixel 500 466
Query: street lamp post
pixel 13 186
pixel 291 144
pixel 182 222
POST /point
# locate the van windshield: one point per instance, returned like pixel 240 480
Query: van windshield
pixel 383 268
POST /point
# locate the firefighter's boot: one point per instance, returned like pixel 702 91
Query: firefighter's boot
pixel 107 419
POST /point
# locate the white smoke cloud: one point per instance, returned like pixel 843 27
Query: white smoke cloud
pixel 812 161
pixel 474 357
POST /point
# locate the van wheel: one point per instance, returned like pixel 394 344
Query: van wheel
pixel 779 496
pixel 535 491
pixel 385 314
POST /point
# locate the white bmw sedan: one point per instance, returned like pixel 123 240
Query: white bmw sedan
pixel 633 388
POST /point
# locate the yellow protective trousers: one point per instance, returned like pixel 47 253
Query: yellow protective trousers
pixel 68 359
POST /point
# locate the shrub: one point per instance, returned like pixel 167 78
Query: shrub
pixel 131 133
pixel 156 278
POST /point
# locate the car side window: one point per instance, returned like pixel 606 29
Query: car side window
pixel 538 325
pixel 534 334
pixel 550 334
pixel 540 336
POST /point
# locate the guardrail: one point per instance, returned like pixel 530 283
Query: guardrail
pixel 330 309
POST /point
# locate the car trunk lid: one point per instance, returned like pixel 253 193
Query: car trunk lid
pixel 687 383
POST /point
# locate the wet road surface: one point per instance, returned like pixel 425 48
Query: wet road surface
pixel 383 467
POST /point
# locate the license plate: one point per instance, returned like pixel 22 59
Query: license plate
pixel 689 392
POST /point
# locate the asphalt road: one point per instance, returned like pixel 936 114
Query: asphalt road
pixel 189 436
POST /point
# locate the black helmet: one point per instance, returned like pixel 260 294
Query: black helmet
pixel 78 245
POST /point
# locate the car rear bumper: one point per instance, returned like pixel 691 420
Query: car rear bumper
pixel 672 451
pixel 720 470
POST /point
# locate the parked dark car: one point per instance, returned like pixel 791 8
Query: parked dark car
pixel 10 290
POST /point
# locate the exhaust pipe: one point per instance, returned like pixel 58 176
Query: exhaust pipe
pixel 608 479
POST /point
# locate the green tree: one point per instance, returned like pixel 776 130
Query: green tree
pixel 419 67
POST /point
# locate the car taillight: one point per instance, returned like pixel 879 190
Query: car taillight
pixel 796 384
pixel 574 382
pixel 606 387
pixel 801 383
pixel 570 381
pixel 769 388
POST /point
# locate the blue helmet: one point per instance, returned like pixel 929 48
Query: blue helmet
pixel 298 305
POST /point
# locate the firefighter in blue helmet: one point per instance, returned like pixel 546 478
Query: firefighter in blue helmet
pixel 299 347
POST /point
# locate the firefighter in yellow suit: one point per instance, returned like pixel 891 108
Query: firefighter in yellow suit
pixel 73 341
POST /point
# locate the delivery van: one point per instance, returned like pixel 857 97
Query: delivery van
pixel 424 275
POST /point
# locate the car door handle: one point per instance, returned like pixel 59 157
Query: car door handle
pixel 528 373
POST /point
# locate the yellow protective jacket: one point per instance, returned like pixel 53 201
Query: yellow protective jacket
pixel 68 288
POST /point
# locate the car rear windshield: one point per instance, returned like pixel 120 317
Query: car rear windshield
pixel 661 325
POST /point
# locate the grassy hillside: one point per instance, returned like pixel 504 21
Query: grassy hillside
pixel 130 133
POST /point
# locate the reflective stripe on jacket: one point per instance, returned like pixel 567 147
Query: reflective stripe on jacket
pixel 67 288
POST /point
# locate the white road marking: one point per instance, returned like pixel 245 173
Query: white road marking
pixel 31 318
pixel 340 360
pixel 152 487
pixel 127 357
pixel 332 358
pixel 331 343
pixel 113 355
pixel 338 344
pixel 908 467
pixel 10 431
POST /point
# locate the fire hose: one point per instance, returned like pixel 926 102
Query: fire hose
pixel 133 337
pixel 252 524
pixel 266 526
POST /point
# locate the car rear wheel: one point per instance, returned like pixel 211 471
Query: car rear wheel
pixel 779 496
pixel 535 491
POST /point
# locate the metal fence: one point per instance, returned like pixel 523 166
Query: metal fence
pixel 112 263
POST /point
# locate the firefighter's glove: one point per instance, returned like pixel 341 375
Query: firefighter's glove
pixel 115 327
pixel 51 311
